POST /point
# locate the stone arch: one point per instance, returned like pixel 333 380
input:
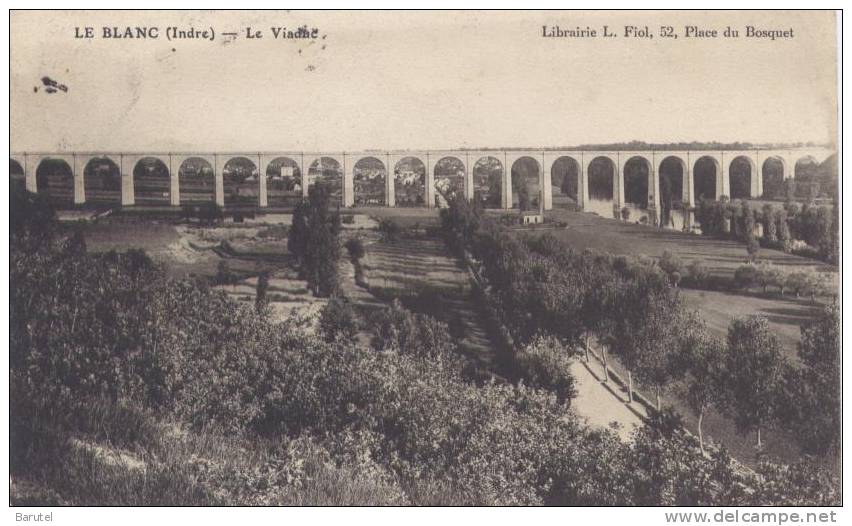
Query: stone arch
pixel 17 176
pixel 369 177
pixel 409 182
pixel 488 176
pixel 565 182
pixel 671 174
pixel 705 173
pixel 329 172
pixel 526 183
pixel 449 173
pixel 55 179
pixel 102 181
pixel 637 181
pixel 283 182
pixel 196 180
pixel 741 171
pixel 241 182
pixel 601 179
pixel 151 182
pixel 772 172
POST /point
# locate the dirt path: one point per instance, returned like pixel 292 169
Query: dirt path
pixel 600 405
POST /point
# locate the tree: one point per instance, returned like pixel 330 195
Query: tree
pixel 355 247
pixel 389 229
pixel 818 386
pixel 297 236
pixel 769 275
pixel 523 193
pixel 671 265
pixel 314 240
pixel 697 272
pixel 649 342
pixel 261 302
pixel 783 228
pixel 755 366
pixel 770 226
pixel 745 276
pixel 797 281
pixel 752 248
pixel 704 362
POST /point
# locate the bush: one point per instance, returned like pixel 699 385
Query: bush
pixel 224 274
pixel 210 213
pixel 753 248
pixel 697 273
pixel 671 265
pixel 338 320
pixel 546 364
pixel 355 247
pixel 389 229
pixel 745 276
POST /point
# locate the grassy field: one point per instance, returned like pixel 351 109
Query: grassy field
pixel 785 314
pixel 722 257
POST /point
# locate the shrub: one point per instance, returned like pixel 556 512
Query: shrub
pixel 745 276
pixel 355 247
pixel 224 275
pixel 671 263
pixel 338 320
pixel 697 273
pixel 389 229
pixel 545 363
pixel 752 248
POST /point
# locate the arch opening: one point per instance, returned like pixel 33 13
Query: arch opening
pixel 740 174
pixel 17 177
pixel 671 176
pixel 526 186
pixel 151 182
pixel 55 179
pixel 772 173
pixel 637 189
pixel 328 172
pixel 565 182
pixel 102 181
pixel 197 181
pixel 369 179
pixel 488 182
pixel 705 172
pixel 283 182
pixel 241 182
pixel 601 180
pixel 409 182
pixel 449 175
pixel 807 178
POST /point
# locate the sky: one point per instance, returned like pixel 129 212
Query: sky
pixel 417 80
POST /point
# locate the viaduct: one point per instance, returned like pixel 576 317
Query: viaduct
pixel 29 165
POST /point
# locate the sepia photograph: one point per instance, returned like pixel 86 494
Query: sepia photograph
pixel 427 258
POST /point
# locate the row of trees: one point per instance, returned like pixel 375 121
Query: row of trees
pixel 800 282
pixel 816 226
pixel 539 286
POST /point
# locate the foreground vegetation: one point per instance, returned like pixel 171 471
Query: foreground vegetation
pixel 129 387
pixel 537 285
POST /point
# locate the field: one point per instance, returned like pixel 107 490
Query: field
pixel 722 257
